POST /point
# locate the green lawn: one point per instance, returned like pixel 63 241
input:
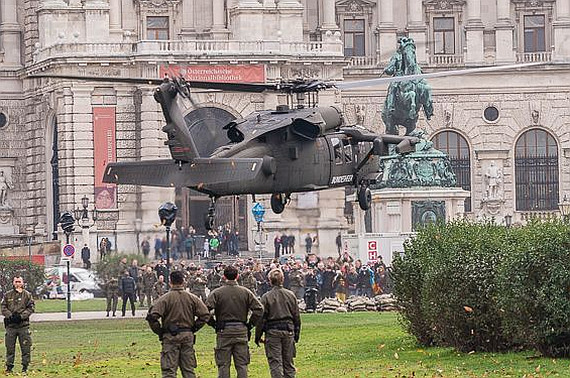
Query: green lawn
pixel 332 345
pixel 60 305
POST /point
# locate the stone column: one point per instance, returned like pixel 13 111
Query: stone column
pixel 386 30
pixel 115 15
pixel 10 34
pixel 188 21
pixel 474 33
pixel 417 29
pixel 562 31
pixel 96 21
pixel 290 21
pixel 504 33
pixel 329 15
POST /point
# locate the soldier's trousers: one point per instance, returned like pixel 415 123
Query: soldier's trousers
pixel 112 301
pixel 280 351
pixel 24 337
pixel 178 351
pixel 232 343
pixel 148 295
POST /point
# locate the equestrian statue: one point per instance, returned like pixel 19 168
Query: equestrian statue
pixel 405 98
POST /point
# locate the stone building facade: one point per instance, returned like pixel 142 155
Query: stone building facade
pixel 498 127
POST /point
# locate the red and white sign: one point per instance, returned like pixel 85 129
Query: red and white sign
pixel 68 250
pixel 372 250
pixel 230 73
pixel 104 150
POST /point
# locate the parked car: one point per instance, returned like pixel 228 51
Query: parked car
pixel 82 282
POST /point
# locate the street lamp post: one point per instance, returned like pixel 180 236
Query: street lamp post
pixel 564 208
pixel 167 214
pixel 258 211
pixel 138 225
pixel 66 221
pixel 508 220
pixel 82 217
pixel 29 237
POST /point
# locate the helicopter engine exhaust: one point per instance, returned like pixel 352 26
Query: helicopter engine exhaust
pixel 317 123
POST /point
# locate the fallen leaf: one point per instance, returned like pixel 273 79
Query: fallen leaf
pixel 467 309
pixel 396 356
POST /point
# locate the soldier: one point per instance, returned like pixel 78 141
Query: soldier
pixel 112 294
pixel 148 281
pixel 159 288
pixel 247 280
pixel 214 279
pixel 182 315
pixel 17 306
pixel 128 289
pixel 281 323
pixel 197 283
pixel 297 281
pixel 231 304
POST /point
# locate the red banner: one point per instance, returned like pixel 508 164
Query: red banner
pixel 239 73
pixel 104 152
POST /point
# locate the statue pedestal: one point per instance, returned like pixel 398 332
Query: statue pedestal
pixel 404 210
pixel 6 218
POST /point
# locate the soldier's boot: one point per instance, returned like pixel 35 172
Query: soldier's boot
pixel 9 369
pixel 108 314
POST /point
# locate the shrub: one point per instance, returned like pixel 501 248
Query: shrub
pixel 445 284
pixel 32 273
pixel 534 281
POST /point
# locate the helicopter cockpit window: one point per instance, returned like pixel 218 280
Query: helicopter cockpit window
pixel 337 147
pixel 347 151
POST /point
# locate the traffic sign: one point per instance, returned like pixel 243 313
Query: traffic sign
pixel 68 250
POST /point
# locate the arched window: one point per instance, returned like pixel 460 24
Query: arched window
pixel 536 171
pixel 456 147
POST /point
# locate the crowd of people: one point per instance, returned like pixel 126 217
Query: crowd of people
pixel 186 244
pixel 312 279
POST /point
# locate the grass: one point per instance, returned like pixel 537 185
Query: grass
pixel 60 305
pixel 332 345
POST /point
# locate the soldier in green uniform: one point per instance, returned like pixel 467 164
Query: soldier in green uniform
pixel 247 280
pixel 159 288
pixel 281 323
pixel 112 294
pixel 297 281
pixel 181 315
pixel 17 306
pixel 231 304
pixel 214 279
pixel 197 283
pixel 148 281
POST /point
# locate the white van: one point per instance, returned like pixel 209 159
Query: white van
pixel 82 281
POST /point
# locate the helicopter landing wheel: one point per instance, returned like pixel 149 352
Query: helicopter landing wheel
pixel 278 201
pixel 364 197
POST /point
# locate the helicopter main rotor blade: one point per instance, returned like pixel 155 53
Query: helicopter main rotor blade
pixel 238 87
pixel 467 71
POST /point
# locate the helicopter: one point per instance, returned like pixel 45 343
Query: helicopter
pixel 298 147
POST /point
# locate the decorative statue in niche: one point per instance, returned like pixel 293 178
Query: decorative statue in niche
pixel 5 186
pixel 493 177
pixel 360 114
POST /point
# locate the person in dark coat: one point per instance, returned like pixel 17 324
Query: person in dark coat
pixel 128 288
pixel 86 257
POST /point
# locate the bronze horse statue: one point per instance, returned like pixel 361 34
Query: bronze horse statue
pixel 405 98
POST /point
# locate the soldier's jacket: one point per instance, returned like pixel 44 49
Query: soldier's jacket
pixel 196 282
pixel 279 307
pixel 112 288
pixel 296 278
pixel 247 280
pixel 232 303
pixel 159 289
pixel 177 308
pixel 214 280
pixel 148 281
pixel 18 303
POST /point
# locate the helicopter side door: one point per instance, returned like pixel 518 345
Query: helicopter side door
pixel 341 160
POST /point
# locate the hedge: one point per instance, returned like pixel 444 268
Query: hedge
pixel 478 286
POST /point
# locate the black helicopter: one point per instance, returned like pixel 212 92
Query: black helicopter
pixel 287 150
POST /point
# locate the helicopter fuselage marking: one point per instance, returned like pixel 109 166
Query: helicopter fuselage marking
pixel 341 179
